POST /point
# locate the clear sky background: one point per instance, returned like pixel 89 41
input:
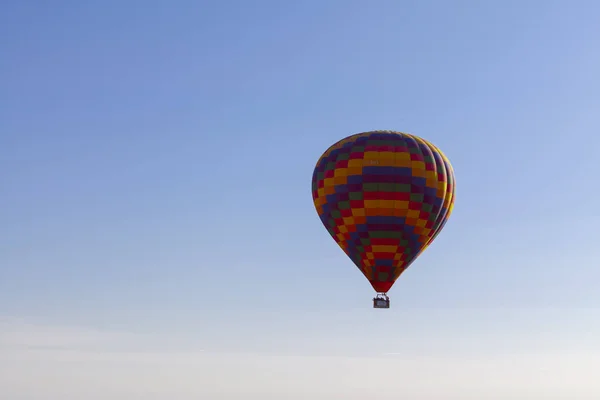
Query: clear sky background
pixel 157 234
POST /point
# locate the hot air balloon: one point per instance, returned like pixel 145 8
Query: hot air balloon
pixel 383 196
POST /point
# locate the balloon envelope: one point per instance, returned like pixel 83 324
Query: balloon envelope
pixel 383 196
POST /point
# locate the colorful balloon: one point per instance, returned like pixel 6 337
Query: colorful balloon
pixel 384 196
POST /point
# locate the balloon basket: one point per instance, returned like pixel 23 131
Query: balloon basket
pixel 381 301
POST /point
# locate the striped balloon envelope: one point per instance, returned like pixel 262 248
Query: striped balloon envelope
pixel 383 196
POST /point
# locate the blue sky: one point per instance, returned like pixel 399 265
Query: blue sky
pixel 155 166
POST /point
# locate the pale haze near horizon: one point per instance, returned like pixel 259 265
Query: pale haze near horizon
pixel 157 235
